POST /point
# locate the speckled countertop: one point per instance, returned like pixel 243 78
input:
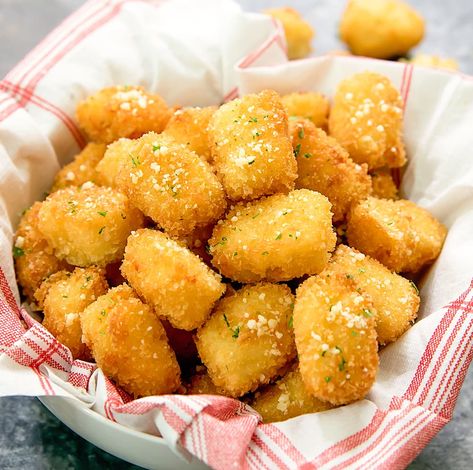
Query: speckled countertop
pixel 32 438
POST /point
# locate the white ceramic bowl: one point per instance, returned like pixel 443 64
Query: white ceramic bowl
pixel 133 446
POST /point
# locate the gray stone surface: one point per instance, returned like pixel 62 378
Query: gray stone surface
pixel 30 437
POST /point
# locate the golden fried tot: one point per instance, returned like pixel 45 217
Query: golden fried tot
pixel 129 343
pixel 298 32
pixel 170 184
pixel 251 149
pixel 81 169
pixel 434 61
pixel 248 338
pixel 323 165
pixel 287 398
pixel 383 185
pixel 177 283
pixel 121 111
pixel 309 105
pixel 381 28
pixel 276 238
pixel 188 126
pixel 201 384
pixel 395 299
pixel 63 297
pixel 34 257
pixel 366 119
pixel 334 326
pixel 114 157
pixel 88 225
pixel 399 234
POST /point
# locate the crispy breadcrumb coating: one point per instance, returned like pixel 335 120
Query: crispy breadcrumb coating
pixel 121 111
pixel 248 338
pixel 287 398
pixel 309 105
pixel 81 169
pixel 366 119
pixel 381 28
pixel 434 61
pixel 188 126
pixel 335 334
pixel 395 299
pixel 401 235
pixel 129 343
pixel 250 146
pixel 63 297
pixel 299 33
pixel 171 278
pixel 34 257
pixel 383 184
pixel 201 384
pixel 324 165
pixel 88 225
pixel 170 184
pixel 276 238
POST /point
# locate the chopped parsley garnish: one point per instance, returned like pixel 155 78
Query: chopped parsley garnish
pixel 279 236
pixel 134 160
pixel 323 353
pixel 362 270
pixel 297 150
pixel 253 119
pixel 235 253
pixel 301 133
pixel 101 230
pixel 265 253
pixel 290 321
pixel 328 378
pixel 102 213
pixel 235 331
pixel 367 312
pixel 307 155
pixel 17 252
pixel 156 147
pixel 354 333
pixel 103 313
pixel 414 287
pixel 341 365
pixel 72 207
pixel 257 215
pixel 250 162
pixel 349 276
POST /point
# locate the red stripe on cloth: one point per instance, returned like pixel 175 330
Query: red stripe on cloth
pixel 80 374
pixel 440 360
pixel 30 88
pixel 8 294
pixel 55 38
pixel 403 434
pixel 453 364
pixel 266 450
pixel 462 354
pixel 406 453
pixel 408 85
pixel 283 442
pixel 387 422
pixel 350 442
pixel 62 351
pixel 47 106
pixel 44 382
pixel 258 461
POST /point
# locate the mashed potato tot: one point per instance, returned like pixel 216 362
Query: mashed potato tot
pixel 88 225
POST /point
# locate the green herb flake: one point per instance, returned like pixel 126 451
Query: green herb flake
pixel 301 133
pixel 341 365
pixel 414 287
pixel 253 119
pixel 65 296
pixel 134 160
pixel 323 353
pixel 297 150
pixel 156 147
pixel 257 215
pixel 367 312
pixel 103 313
pixel 328 378
pixel 354 333
pixel 250 162
pixel 349 276
pixel 279 236
pixel 265 253
pixel 307 155
pixel 17 252
pixel 101 230
pixel 102 213
pixel 290 322
pixel 236 332
pixel 362 270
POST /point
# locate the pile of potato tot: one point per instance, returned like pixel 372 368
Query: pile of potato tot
pixel 251 250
